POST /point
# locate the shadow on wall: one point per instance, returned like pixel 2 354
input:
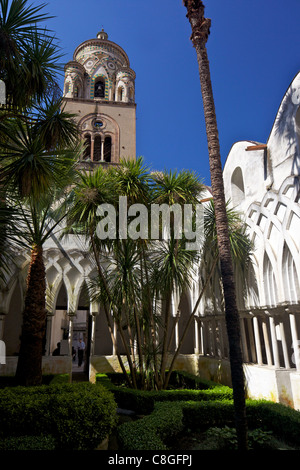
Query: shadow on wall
pixel 287 124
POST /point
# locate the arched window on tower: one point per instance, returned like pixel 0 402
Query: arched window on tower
pixel 107 149
pixel 120 93
pixel 77 90
pixel 67 88
pixel 87 147
pixel 97 148
pixel 99 90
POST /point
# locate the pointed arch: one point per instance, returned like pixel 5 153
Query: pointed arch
pixel 237 186
pixel 87 147
pixel 270 285
pixel 97 148
pixel 290 277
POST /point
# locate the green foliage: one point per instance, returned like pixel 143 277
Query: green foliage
pixel 79 416
pixel 183 379
pixel 130 399
pixel 28 443
pixel 142 401
pixel 282 421
pixel 226 438
pixel 150 432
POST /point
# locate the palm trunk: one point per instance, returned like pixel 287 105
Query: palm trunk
pixel 200 32
pixel 152 322
pixel 29 368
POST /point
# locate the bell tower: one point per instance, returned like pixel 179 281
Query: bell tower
pixel 99 87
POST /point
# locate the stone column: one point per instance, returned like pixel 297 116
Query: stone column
pixel 70 335
pixel 201 337
pixel 244 341
pixel 92 148
pixel 213 337
pixel 284 347
pixel 296 343
pixel 196 349
pixel 48 334
pixel 115 336
pixel 176 335
pixel 257 341
pixel 94 309
pixel 274 343
pixel 252 341
pixel 267 343
pixel 2 321
pixel 102 148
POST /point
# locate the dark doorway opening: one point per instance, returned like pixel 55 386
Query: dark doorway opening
pixel 82 327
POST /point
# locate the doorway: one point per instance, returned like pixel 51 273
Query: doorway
pixel 82 326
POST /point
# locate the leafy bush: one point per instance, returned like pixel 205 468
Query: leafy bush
pixel 150 432
pixel 142 402
pixel 127 398
pixel 28 443
pixel 226 438
pixel 79 415
pixel 182 379
pixel 282 421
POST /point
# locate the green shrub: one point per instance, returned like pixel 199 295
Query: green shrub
pixel 282 421
pixel 151 432
pixel 142 402
pixel 59 379
pixel 182 379
pixel 127 398
pixel 226 438
pixel 79 415
pixel 218 393
pixel 28 443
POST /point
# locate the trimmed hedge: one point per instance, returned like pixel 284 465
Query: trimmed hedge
pixel 28 443
pixel 142 402
pixel 136 400
pixel 282 420
pixel 78 415
pixel 186 380
pixel 150 432
pixel 48 379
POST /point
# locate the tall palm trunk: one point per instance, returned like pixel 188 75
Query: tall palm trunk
pixel 29 368
pixel 200 32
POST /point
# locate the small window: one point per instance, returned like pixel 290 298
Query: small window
pixel 107 149
pixel 67 88
pixel 99 91
pixel 87 150
pixel 120 94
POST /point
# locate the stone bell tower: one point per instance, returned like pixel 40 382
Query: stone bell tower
pixel 99 87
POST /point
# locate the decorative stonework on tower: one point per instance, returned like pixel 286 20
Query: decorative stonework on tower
pixel 99 87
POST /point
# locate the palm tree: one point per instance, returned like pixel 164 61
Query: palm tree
pixel 28 55
pixel 209 270
pixel 33 178
pixel 173 261
pixel 200 32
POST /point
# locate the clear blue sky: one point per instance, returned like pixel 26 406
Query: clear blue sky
pixel 253 50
